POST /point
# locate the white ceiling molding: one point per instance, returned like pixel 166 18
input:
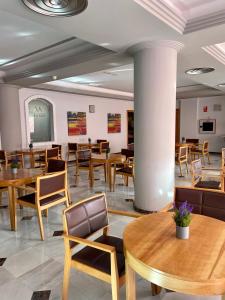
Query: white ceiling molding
pixel 165 13
pixel 172 15
pixel 206 21
pixel 216 52
pixel 65 86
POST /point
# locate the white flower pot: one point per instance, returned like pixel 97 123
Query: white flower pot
pixel 14 170
pixel 182 232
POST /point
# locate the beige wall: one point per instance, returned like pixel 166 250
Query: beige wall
pixel 96 122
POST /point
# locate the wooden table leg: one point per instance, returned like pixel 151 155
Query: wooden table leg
pixel 12 207
pixel 130 283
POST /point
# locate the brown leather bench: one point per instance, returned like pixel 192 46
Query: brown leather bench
pixel 205 202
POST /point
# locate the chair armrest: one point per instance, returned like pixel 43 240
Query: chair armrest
pixel 167 207
pixel 93 244
pixel 124 213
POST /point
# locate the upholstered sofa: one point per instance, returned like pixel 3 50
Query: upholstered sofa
pixel 205 202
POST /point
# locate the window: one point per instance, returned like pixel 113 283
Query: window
pixel 40 120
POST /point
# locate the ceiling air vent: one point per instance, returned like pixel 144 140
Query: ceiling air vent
pixel 217 107
pixel 54 8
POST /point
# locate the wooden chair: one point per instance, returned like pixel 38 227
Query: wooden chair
pixel 60 149
pixel 72 149
pixel 126 170
pixel 83 162
pixel 182 158
pixel 51 190
pixel 102 258
pixel 201 150
pixel 201 179
pixel 6 159
pixel 103 147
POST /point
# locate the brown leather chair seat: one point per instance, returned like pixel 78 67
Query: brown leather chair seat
pixel 99 259
pixel 127 170
pixel 210 184
pixel 30 198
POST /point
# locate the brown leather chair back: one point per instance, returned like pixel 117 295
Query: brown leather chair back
pixel 100 141
pixel 83 155
pixel 85 218
pixel 57 146
pixel 72 147
pixel 2 155
pixel 104 146
pixel 56 165
pixel 52 153
pixel 192 141
pixel 52 184
pixel 128 153
pixel 204 202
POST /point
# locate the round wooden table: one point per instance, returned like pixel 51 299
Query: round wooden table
pixel 10 180
pixel 195 266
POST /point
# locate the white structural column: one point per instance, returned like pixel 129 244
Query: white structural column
pixel 10 124
pixel 155 69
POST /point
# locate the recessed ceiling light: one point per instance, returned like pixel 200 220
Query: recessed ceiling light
pixel 54 77
pixel 198 71
pixel 221 85
pixel 37 76
pixel 94 84
pixel 104 44
pixel 54 8
pixel 114 64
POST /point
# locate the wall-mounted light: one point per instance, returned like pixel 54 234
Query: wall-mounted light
pixel 198 71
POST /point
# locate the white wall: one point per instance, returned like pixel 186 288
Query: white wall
pixel 192 112
pixel 96 122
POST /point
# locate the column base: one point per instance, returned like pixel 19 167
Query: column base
pixel 142 211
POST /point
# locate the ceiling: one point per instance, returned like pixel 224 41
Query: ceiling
pixel 89 50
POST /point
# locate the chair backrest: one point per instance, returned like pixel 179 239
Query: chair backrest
pixel 56 165
pixel 51 184
pixel 205 146
pixel 192 141
pixel 183 154
pixel 127 152
pixel 2 155
pixel 72 147
pixel 104 146
pixel 83 155
pixel 86 217
pixel 196 170
pixel 57 146
pixel 100 141
pixel 52 153
pixel 130 146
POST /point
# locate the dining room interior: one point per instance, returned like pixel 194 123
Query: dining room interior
pixel 112 150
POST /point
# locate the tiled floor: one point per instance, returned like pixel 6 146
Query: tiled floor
pixel 31 269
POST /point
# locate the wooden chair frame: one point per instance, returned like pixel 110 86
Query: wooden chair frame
pixel 39 198
pixel 71 151
pixel 128 163
pixel 5 164
pixel 90 168
pixel 182 158
pixel 223 159
pixel 201 176
pixel 113 279
pixel 60 149
pixel 203 150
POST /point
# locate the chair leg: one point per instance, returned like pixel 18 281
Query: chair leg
pixel 0 198
pixel 66 279
pixel 187 167
pixel 114 180
pixel 208 158
pixel 45 213
pixel 77 174
pixel 40 224
pixel 181 174
pixel 155 289
pixel 114 278
pixel 126 180
pixel 105 173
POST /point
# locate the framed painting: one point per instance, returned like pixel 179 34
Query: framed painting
pixel 77 124
pixel 114 123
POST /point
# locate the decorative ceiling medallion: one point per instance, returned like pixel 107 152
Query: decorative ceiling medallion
pixel 55 8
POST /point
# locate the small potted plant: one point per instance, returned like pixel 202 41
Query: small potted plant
pixel 14 166
pixel 31 146
pixel 89 140
pixel 182 218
